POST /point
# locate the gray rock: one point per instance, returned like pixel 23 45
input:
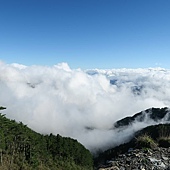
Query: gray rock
pixel 153 159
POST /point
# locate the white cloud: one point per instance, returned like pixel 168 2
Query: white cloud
pixel 61 100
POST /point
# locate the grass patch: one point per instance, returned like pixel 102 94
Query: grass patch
pixel 145 141
pixel 164 142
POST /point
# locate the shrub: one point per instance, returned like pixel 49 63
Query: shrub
pixel 164 142
pixel 145 141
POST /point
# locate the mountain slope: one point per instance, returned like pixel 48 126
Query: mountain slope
pixel 23 149
pixel 149 148
pixel 155 138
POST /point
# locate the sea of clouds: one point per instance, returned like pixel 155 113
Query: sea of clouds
pixel 82 104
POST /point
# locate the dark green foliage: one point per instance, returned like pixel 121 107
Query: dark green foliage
pixel 164 142
pixel 2 108
pixel 23 148
pixel 155 131
pixel 145 141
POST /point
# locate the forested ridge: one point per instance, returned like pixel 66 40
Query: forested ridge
pixel 23 149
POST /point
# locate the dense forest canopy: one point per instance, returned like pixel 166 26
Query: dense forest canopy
pixel 23 148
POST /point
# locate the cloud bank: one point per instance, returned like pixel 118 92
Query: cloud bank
pixel 82 104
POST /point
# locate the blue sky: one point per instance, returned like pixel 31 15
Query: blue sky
pixel 86 33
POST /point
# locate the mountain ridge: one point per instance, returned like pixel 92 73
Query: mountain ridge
pixel 155 114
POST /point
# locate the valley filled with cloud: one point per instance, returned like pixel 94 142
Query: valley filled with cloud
pixel 82 104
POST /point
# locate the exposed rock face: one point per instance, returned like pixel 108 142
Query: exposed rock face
pixel 143 159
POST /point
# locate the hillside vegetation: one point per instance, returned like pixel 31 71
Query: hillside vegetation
pixel 23 149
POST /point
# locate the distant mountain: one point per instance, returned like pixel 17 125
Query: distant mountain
pixel 153 114
pixel 2 108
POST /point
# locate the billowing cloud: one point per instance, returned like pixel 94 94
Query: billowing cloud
pixel 81 104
